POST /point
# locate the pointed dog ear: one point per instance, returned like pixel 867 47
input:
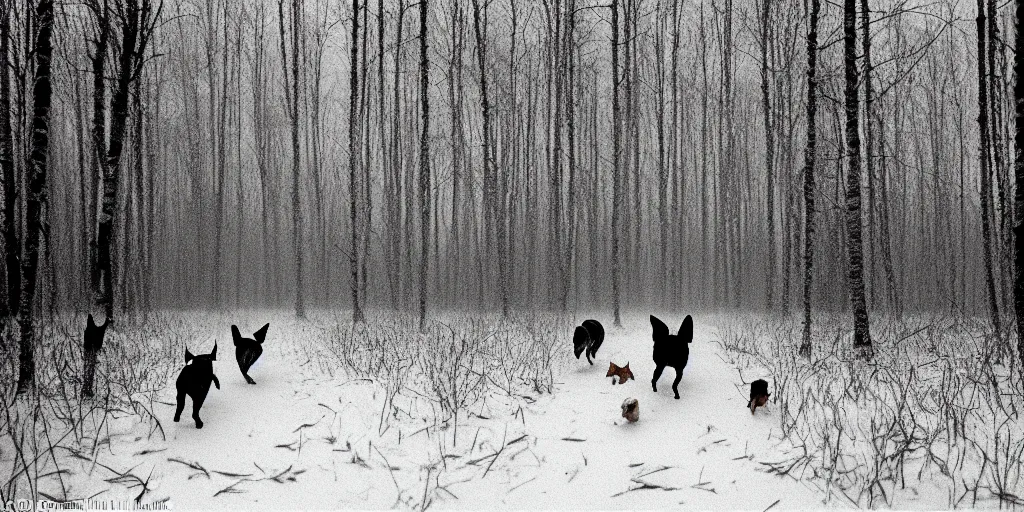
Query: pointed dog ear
pixel 90 323
pixel 235 335
pixel 660 329
pixel 686 329
pixel 261 334
pixel 188 356
pixel 214 353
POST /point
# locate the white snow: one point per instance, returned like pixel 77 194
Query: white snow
pixel 303 439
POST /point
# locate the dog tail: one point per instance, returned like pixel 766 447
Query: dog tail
pixel 580 338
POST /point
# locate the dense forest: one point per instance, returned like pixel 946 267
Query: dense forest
pixel 405 221
pixel 768 155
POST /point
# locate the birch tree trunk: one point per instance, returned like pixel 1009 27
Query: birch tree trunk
pixel 986 174
pixel 424 178
pixel 1018 171
pixel 616 174
pixel 769 156
pixel 855 246
pixel 38 166
pixel 12 250
pixel 353 151
pixel 810 155
pixel 292 103
pixel 137 25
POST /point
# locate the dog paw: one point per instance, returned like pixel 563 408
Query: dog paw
pixel 677 396
pixel 250 381
pixel 177 419
pixel 199 424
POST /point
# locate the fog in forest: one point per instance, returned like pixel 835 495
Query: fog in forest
pixel 406 222
pixel 266 160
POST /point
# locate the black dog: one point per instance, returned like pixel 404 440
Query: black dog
pixel 758 394
pixel 589 337
pixel 247 350
pixel 194 381
pixel 91 345
pixel 671 350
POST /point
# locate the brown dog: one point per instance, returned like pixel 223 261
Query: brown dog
pixel 622 372
pixel 758 394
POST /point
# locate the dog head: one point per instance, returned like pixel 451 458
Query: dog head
pixel 94 333
pixel 625 373
pixel 580 340
pixel 613 370
pixel 202 359
pixel 758 394
pixel 258 336
pixel 758 387
pixel 661 333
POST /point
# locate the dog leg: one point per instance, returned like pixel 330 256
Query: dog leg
pixel 657 375
pixel 196 405
pixel 675 383
pixel 181 405
pixel 248 378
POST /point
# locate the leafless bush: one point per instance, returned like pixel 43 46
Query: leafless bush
pixel 39 428
pixel 454 364
pixel 937 399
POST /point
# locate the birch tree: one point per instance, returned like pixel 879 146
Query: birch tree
pixel 38 166
pixel 855 246
pixel 810 157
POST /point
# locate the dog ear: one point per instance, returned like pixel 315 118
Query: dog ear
pixel 660 329
pixel 261 334
pixel 235 335
pixel 214 353
pixel 90 323
pixel 188 356
pixel 686 330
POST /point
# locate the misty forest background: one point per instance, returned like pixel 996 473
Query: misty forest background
pixel 509 154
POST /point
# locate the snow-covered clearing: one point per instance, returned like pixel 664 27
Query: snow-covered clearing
pixel 364 419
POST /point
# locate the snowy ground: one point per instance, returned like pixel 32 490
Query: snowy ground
pixel 308 436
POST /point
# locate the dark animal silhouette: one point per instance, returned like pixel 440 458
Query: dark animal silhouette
pixel 194 381
pixel 248 350
pixel 92 343
pixel 622 372
pixel 758 394
pixel 671 350
pixel 588 337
